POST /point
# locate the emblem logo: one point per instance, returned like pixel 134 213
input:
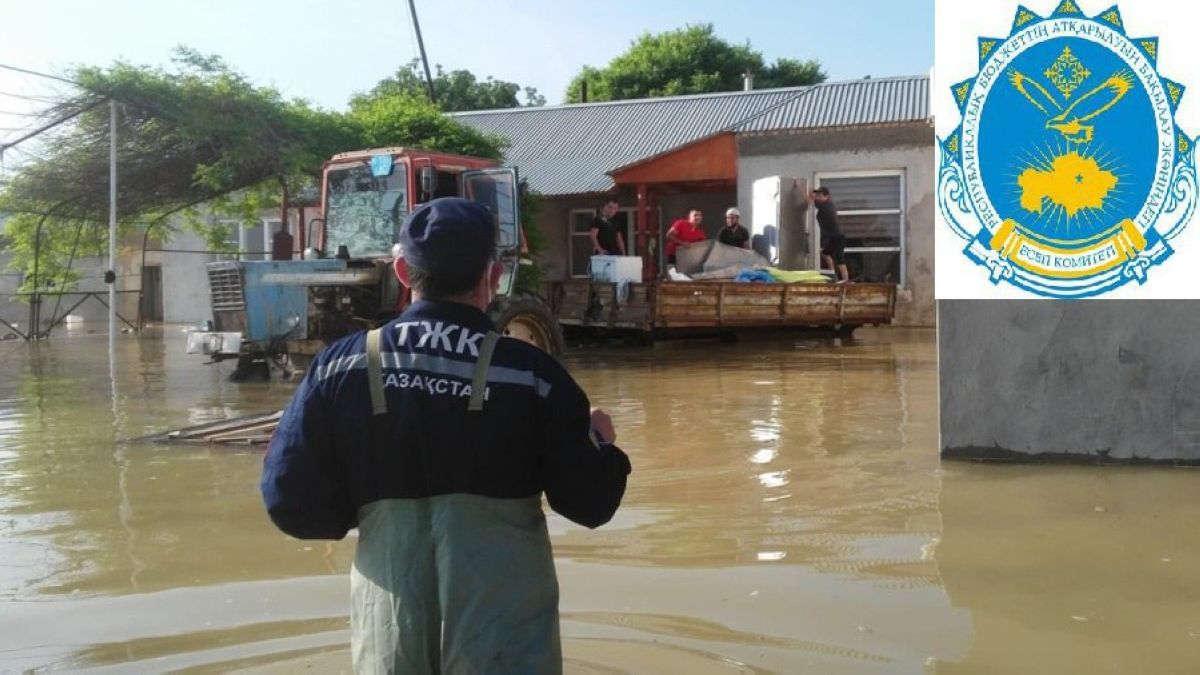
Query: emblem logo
pixel 1067 176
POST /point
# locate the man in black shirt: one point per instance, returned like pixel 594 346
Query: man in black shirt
pixel 833 242
pixel 606 240
pixel 734 233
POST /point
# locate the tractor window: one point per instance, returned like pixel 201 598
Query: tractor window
pixel 364 212
pixel 447 185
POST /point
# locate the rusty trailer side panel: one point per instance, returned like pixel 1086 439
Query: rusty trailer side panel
pixel 582 303
pixel 667 305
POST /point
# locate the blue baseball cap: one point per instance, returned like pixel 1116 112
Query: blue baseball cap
pixel 448 236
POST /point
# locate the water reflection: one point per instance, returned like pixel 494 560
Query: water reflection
pixel 1087 569
pixel 764 455
pixel 773 479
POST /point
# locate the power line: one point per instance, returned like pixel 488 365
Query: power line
pixel 39 99
pixel 37 74
pixel 47 127
pixel 27 153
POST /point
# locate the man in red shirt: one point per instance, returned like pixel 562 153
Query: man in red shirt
pixel 684 231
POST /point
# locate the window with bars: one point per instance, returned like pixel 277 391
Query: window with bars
pixel 269 228
pixel 233 240
pixel 870 209
pixel 248 242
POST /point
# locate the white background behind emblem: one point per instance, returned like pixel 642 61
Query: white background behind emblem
pixel 958 26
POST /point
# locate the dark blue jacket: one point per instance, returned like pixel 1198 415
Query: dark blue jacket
pixel 330 456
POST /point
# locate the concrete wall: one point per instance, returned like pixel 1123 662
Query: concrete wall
pixel 10 310
pixel 1098 380
pixel 186 296
pixel 908 148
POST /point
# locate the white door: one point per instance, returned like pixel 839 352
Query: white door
pixel 764 220
pixel 778 229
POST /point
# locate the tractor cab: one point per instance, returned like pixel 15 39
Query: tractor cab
pixel 285 311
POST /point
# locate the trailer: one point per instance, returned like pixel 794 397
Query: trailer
pixel 663 308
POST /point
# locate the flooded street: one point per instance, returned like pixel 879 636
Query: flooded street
pixel 787 513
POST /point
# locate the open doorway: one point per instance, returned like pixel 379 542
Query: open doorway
pixel 152 293
pixel 624 220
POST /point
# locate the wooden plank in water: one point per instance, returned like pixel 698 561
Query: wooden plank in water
pixel 249 430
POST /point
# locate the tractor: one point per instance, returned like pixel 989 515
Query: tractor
pixel 282 312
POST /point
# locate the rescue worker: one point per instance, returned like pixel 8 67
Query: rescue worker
pixel 436 438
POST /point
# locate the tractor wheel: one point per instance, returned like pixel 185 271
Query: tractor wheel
pixel 527 317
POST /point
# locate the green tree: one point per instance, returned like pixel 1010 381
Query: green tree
pixel 456 90
pixel 404 119
pixel 689 60
pixel 789 73
pixel 529 278
pixel 199 134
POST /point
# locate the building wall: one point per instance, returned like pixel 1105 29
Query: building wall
pixel 184 278
pixel 11 311
pixel 186 296
pixel 554 220
pixel 908 148
pixel 185 282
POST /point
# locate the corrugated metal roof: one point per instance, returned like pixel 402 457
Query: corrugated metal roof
pixel 847 104
pixel 570 149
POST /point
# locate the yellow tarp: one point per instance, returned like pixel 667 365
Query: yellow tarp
pixel 797 276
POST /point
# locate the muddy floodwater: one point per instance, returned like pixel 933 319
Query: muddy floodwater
pixel 787 513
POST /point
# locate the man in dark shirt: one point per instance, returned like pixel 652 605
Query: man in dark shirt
pixel 734 233
pixel 833 242
pixel 606 240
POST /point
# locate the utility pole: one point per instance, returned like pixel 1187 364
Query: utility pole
pixel 421 45
pixel 111 276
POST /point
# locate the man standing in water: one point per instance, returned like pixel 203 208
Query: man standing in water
pixel 436 438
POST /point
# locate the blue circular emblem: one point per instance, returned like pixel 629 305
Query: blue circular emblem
pixel 1067 175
